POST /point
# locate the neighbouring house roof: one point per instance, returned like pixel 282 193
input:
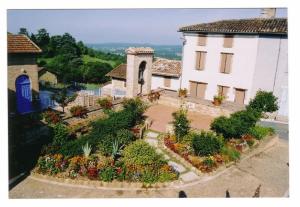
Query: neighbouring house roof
pixel 21 44
pixel 162 67
pixel 139 50
pixel 167 67
pixel 41 71
pixel 240 26
pixel 118 72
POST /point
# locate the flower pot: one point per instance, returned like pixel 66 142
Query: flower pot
pixel 216 102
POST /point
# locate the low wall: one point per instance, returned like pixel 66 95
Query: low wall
pixel 214 111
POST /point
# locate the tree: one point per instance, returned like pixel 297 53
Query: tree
pixel 24 31
pixel 63 99
pixel 42 39
pixel 264 102
pixel 181 123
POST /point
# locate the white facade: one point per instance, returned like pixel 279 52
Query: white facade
pixel 258 62
pixel 159 82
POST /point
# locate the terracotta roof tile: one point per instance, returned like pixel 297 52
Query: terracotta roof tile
pixel 167 67
pixel 248 26
pixel 163 67
pixel 118 72
pixel 21 44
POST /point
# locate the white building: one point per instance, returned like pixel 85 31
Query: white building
pixel 236 58
pixel 165 74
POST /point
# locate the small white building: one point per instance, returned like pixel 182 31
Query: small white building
pixel 236 58
pixel 165 74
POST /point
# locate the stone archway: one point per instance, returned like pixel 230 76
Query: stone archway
pixel 141 79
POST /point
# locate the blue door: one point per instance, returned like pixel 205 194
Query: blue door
pixel 23 92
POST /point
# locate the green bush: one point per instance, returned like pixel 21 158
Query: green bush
pixel 236 125
pixel 122 137
pixel 264 102
pixel 259 132
pixel 105 131
pixel 181 124
pixel 232 153
pixel 107 174
pixel 207 143
pixel 60 134
pixel 187 139
pixel 141 154
pixel 136 106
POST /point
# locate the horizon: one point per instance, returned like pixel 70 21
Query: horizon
pixel 121 26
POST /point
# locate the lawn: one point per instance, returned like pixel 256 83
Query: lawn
pixel 87 59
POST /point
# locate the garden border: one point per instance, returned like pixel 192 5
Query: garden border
pixel 130 186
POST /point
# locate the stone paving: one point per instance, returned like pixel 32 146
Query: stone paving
pixel 162 116
pixel 266 166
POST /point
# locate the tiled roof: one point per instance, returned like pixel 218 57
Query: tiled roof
pixel 139 50
pixel 248 26
pixel 21 44
pixel 163 67
pixel 167 67
pixel 118 72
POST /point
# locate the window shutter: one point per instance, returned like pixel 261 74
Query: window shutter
pixel 202 60
pixel 202 40
pixel 198 56
pixel 228 63
pixel 239 96
pixel 223 61
pixel 193 89
pixel 228 41
pixel 167 82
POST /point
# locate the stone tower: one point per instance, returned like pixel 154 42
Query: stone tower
pixel 138 74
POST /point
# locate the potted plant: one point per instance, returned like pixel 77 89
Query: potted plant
pixel 218 100
pixel 182 93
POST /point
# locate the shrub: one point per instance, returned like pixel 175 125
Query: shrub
pixel 181 124
pixel 236 125
pixel 230 152
pixel 123 137
pixel 60 134
pixel 78 111
pixel 136 106
pixel 105 103
pixel 51 117
pixel 86 150
pixel 264 102
pixel 259 132
pixel 140 154
pixel 207 143
pixel 107 174
pixel 187 139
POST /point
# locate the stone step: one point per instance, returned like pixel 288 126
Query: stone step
pixel 152 134
pixel 177 166
pixel 189 176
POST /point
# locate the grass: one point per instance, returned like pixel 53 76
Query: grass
pixel 87 59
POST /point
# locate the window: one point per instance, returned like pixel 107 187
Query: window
pixel 228 41
pixel 222 90
pixel 202 40
pixel 167 82
pixel 200 60
pixel 239 96
pixel 197 89
pixel 226 59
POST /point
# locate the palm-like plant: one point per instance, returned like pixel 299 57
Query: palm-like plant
pixel 86 150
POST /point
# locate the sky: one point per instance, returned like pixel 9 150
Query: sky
pixel 152 26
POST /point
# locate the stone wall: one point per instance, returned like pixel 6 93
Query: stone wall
pixel 214 111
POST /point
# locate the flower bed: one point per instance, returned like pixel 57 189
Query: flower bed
pixel 109 151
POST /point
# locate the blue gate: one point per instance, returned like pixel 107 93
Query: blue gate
pixel 23 93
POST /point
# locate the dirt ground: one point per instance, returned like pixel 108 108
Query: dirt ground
pixel 162 115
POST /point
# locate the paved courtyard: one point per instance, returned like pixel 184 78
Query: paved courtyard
pixel 162 115
pixel 266 166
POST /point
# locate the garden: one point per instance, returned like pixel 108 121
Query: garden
pixel 110 149
pixel 227 138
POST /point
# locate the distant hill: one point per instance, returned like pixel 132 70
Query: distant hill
pixel 164 51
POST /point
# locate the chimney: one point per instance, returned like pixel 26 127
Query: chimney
pixel 268 13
